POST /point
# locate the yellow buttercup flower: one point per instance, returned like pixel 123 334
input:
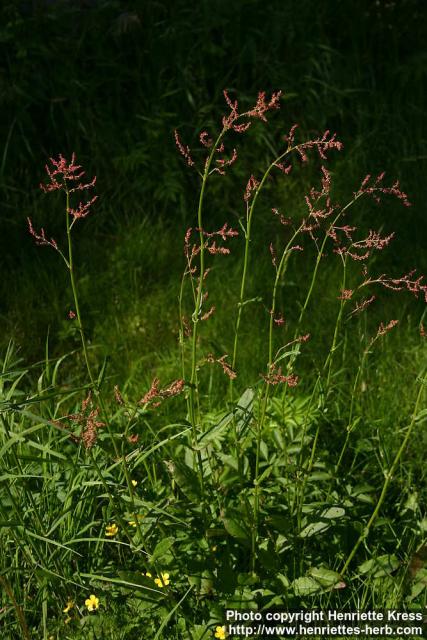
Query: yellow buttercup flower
pixel 133 523
pixel 134 483
pixel 111 530
pixel 92 603
pixel 70 605
pixel 163 581
pixel 220 633
pixel 148 574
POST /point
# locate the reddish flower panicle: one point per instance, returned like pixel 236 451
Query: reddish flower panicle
pixel 258 111
pixel 383 329
pixel 87 419
pixel 377 188
pixel 279 320
pixel 275 376
pixel 290 137
pixel 65 170
pixel 208 314
pixel 323 144
pixel 184 150
pixel 362 305
pixel 223 364
pixel 174 389
pixel 273 255
pixel 40 238
pixel 225 232
pixel 118 396
pixel 262 106
pixel 205 140
pixel 61 174
pixel 225 162
pixel 283 220
pixel 346 294
pixel 228 121
pixel 153 392
pixel 214 250
pixel 251 186
pixel 83 209
pixel 286 169
pixel 406 282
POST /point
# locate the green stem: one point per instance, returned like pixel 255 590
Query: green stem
pixel 330 357
pixel 318 259
pixel 388 479
pixel 194 386
pixel 94 383
pixel 19 613
pixel 249 217
pixel 74 290
pixel 281 269
pixel 349 427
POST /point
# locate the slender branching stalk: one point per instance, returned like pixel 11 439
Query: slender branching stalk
pixel 389 475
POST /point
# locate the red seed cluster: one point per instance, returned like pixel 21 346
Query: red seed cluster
pixel 375 187
pixel 40 237
pixel 229 372
pixel 275 376
pixel 156 393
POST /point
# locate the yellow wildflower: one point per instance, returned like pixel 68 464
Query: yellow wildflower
pixel 220 633
pixel 148 574
pixel 67 620
pixel 111 530
pixel 70 605
pixel 133 523
pixel 92 603
pixel 163 581
pixel 134 483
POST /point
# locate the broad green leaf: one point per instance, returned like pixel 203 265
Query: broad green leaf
pixel 186 479
pixel 236 529
pixel 215 432
pixel 162 548
pixel 379 567
pixel 305 586
pixel 325 577
pixel 419 584
pixel 333 513
pixel 313 528
pixel 244 410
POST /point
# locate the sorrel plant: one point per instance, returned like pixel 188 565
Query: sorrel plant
pixel 212 478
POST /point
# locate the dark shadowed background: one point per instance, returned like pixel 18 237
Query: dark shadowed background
pixel 111 81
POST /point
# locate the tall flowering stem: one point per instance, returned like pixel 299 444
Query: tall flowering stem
pixel 382 331
pixel 344 297
pixel 319 257
pixel 255 188
pixel 67 176
pixel 194 413
pixel 70 264
pixel 322 145
pixel 214 163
